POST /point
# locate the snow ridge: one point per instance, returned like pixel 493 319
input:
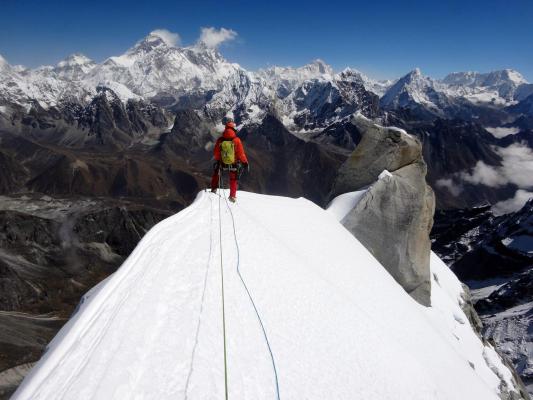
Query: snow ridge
pixel 338 323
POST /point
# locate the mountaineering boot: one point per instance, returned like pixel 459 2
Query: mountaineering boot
pixel 232 199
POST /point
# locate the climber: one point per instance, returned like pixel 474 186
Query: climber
pixel 229 156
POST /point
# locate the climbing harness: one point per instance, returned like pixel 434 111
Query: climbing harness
pixel 220 185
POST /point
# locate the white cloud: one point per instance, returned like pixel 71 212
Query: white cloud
pixel 484 174
pixel 213 37
pixel 517 168
pixel 170 38
pixel 513 204
pixel 518 164
pixel 500 132
pixel 449 184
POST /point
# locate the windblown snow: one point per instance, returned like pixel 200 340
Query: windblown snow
pixel 338 324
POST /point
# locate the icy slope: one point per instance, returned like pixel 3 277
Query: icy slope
pixel 339 326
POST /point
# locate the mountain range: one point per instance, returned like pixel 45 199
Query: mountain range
pixel 108 149
pixel 199 76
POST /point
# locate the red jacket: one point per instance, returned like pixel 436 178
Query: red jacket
pixel 239 149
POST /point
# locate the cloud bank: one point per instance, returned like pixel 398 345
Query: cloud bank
pixel 513 204
pixel 516 168
pixel 213 37
pixel 500 132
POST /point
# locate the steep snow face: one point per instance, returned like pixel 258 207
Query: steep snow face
pixel 415 88
pixel 74 67
pixel 337 324
pixel 153 66
pixel 378 87
pixel 495 78
pixel 284 80
pixel 496 86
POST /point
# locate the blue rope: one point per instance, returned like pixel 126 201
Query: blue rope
pixel 252 300
pixel 223 297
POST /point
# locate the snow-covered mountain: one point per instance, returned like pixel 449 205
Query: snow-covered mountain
pixel 459 93
pixel 416 89
pixel 199 77
pixel 151 67
pixel 309 313
pixel 479 87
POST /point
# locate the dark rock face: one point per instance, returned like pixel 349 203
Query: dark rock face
pixel 51 252
pixel 344 136
pixel 136 173
pixel 525 136
pixel 106 123
pixel 493 254
pixel 190 136
pixel 517 291
pixel 82 242
pixel 523 107
pixel 352 88
pixel 455 230
pixel 318 102
pixel 503 247
pixel 285 165
pixel 507 316
pixel 395 214
pixel 12 173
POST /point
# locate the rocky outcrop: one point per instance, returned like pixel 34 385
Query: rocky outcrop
pixel 379 149
pixel 394 216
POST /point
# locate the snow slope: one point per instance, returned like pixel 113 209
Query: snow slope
pixel 339 326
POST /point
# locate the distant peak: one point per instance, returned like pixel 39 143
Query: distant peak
pixel 75 59
pixel 106 93
pixel 3 62
pixel 158 38
pixel 416 72
pixel 514 76
pixel 319 66
pixel 414 75
pixel 471 78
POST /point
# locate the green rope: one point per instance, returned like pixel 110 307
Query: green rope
pixel 222 284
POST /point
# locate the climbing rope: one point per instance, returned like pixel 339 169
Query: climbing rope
pixel 222 287
pixel 202 300
pixel 251 298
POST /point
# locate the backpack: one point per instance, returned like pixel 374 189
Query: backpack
pixel 227 152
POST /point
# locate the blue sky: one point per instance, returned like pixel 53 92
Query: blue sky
pixel 385 39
